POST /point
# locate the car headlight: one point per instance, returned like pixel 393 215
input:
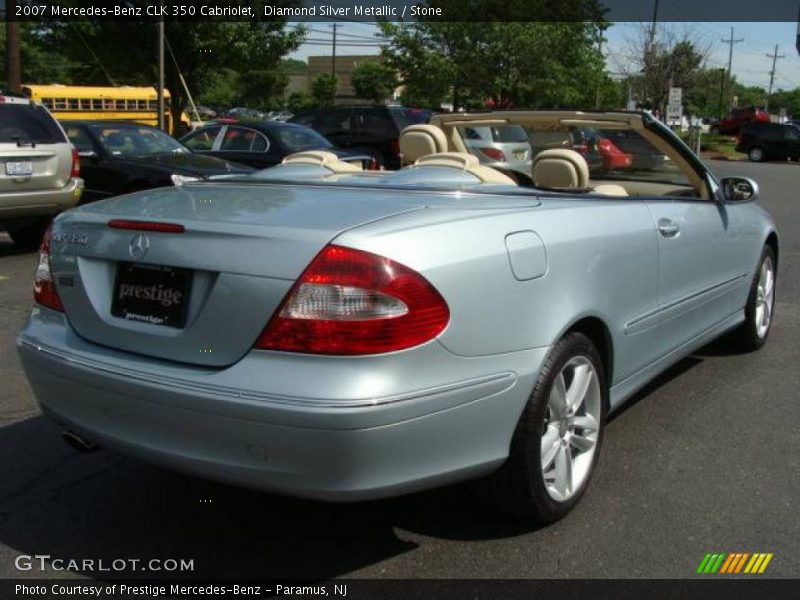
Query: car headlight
pixel 181 179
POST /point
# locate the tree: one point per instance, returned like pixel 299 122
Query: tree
pixel 198 49
pixel 662 60
pixel 502 64
pixel 323 89
pixel 373 80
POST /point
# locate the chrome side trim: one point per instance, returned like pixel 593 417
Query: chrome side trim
pixel 501 382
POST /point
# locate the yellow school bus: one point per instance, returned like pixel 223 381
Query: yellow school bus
pixel 83 103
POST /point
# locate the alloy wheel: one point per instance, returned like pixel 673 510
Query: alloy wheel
pixel 571 428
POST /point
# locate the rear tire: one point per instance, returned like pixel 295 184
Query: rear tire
pixel 752 334
pixel 558 437
pixel 756 154
pixel 30 236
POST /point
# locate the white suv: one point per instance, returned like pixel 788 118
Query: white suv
pixel 39 170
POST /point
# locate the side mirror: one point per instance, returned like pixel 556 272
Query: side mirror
pixel 739 189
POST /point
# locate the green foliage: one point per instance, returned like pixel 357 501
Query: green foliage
pixel 203 50
pixel 299 101
pixel 292 66
pixel 39 63
pixel 373 80
pixel 323 89
pixel 665 64
pixel 511 64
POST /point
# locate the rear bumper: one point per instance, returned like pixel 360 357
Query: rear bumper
pixel 21 203
pixel 409 436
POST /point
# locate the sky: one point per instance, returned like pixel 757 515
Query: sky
pixel 750 63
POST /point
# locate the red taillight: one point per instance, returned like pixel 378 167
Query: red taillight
pixel 494 154
pixel 44 288
pixel 351 302
pixel 394 146
pixel 146 226
pixel 76 164
pixel 373 164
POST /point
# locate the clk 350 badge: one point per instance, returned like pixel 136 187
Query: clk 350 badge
pixel 79 239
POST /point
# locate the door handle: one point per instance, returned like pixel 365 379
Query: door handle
pixel 668 228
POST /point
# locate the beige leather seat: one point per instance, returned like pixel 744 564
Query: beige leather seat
pixel 465 162
pixel 321 158
pixel 563 170
pixel 421 140
pixel 560 169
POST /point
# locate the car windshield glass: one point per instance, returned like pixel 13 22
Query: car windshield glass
pixel 297 139
pixel 126 140
pixel 509 134
pixel 611 154
pixel 26 123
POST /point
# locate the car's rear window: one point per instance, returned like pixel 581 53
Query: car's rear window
pixel 26 123
pixel 509 134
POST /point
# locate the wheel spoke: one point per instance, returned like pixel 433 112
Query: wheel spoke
pixel 563 482
pixel 581 381
pixel 550 445
pixel 767 310
pixel 558 397
pixel 583 444
pixel 769 283
pixel 586 423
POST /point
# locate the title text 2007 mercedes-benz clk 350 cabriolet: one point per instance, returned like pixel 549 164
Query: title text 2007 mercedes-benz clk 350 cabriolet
pixel 327 332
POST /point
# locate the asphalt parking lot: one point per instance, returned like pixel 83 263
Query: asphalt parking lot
pixel 705 459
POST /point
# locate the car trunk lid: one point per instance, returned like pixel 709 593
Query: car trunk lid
pixel 242 248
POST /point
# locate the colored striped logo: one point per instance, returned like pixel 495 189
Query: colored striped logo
pixel 735 563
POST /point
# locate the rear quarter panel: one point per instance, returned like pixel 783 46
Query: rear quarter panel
pixel 601 262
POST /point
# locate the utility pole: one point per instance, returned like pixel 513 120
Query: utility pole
pixel 13 76
pixel 653 25
pixel 721 91
pixel 161 72
pixel 333 57
pixel 775 56
pixel 730 43
pixel 597 91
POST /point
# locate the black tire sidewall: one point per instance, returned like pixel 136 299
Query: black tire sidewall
pixel 526 445
pixel 750 338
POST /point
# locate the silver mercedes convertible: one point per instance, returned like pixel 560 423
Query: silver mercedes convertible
pixel 327 332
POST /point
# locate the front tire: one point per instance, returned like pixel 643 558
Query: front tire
pixel 557 440
pixel 752 334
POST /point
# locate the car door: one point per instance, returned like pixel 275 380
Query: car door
pixel 699 261
pixel 202 140
pixel 243 145
pixel 99 177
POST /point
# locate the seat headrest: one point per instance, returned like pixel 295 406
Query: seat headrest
pixel 560 169
pixel 320 158
pixel 421 140
pixel 465 162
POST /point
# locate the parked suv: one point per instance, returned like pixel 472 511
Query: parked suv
pixel 731 124
pixel 39 174
pixel 769 141
pixel 373 130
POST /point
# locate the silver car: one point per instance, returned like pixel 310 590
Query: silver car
pixel 39 170
pixel 503 147
pixel 325 332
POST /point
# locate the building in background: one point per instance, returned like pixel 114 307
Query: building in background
pixel 345 65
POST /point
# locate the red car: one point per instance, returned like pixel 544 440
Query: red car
pixel 731 124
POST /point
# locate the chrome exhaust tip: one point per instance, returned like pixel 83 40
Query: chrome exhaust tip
pixel 77 442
